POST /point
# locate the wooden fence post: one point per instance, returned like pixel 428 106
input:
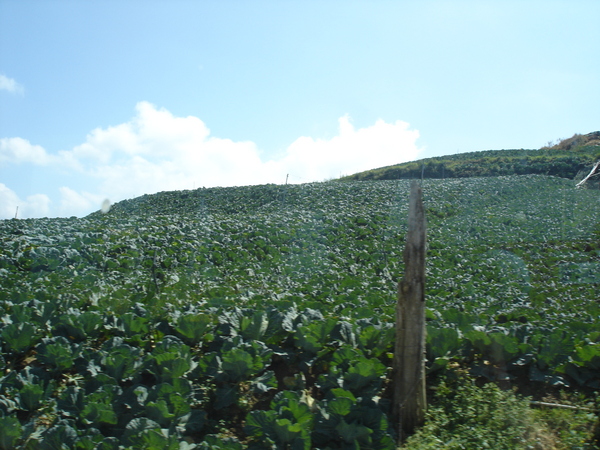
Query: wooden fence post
pixel 409 350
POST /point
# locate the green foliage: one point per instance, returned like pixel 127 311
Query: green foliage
pixel 147 434
pixel 58 437
pixel 350 370
pixel 194 327
pixel 18 337
pixel 98 410
pixel 10 432
pixel 178 318
pixel 466 416
pixel 341 421
pixel 118 360
pixel 288 423
pixel 348 422
pixel 58 353
pixel 171 359
pixel 313 336
pixel 79 326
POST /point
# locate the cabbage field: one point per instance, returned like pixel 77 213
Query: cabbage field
pixel 261 317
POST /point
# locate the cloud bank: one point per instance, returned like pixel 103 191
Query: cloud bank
pixel 11 205
pixel 18 151
pixel 157 151
pixel 10 85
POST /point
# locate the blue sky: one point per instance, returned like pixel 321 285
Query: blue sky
pixel 115 99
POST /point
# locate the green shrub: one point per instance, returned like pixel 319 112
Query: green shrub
pixel 464 416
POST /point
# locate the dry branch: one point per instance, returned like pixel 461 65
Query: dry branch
pixel 595 171
pixel 558 405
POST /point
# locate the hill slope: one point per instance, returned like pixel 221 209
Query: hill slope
pixel 238 317
pixel 566 159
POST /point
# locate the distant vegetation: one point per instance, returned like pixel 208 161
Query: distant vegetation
pixel 566 159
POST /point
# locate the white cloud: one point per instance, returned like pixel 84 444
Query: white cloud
pixel 9 202
pixel 37 205
pixel 156 151
pixel 10 85
pixel 17 150
pixel 11 205
pixel 351 150
pixel 73 203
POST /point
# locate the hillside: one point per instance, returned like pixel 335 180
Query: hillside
pixel 262 316
pixel 566 159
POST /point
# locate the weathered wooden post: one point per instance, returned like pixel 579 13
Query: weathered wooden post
pixel 409 351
